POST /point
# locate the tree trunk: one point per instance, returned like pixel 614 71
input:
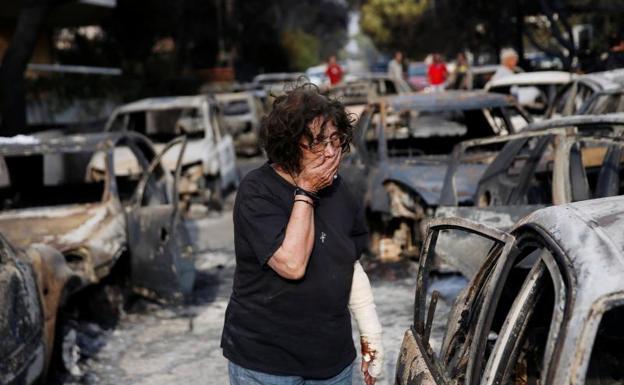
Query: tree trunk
pixel 14 63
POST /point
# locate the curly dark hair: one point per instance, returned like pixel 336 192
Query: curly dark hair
pixel 289 120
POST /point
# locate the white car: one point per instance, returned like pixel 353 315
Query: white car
pixel 546 306
pixel 209 163
pixel 535 91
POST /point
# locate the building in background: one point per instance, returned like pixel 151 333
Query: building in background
pixel 47 105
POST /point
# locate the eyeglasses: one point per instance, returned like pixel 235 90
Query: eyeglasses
pixel 336 140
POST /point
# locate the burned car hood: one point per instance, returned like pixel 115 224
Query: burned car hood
pixel 425 176
pixel 62 227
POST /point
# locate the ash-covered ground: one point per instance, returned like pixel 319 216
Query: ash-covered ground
pixel 159 345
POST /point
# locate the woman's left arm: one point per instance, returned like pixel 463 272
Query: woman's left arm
pixel 362 306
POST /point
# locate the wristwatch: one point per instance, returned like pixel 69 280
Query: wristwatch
pixel 309 194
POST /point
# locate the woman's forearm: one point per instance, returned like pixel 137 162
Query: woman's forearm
pixel 362 306
pixel 291 258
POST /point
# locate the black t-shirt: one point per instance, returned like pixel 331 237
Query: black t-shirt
pixel 287 327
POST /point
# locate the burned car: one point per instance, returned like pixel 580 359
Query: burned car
pixel 209 164
pixel 272 84
pixel 399 156
pixel 33 282
pixel 76 225
pixel 383 84
pixel 603 102
pixel 545 306
pixel 96 218
pixel 574 98
pixel 355 95
pixel 22 352
pixel 242 112
pixel 535 91
pixel 560 161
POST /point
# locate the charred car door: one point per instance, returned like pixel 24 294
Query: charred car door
pixel 421 363
pixel 529 316
pixel 162 262
pixel 22 352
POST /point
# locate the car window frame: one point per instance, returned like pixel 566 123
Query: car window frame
pixel 560 306
pixel 502 269
pixel 587 337
pixel 608 143
pixel 420 298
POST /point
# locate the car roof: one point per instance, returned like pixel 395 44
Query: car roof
pixel 605 80
pixel 229 96
pixel 448 100
pixel 165 103
pixel 590 234
pixel 278 76
pixel 532 78
pixel 367 76
pixel 484 69
pixel 575 120
pixel 33 145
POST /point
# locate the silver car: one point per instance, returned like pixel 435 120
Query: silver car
pixel 546 306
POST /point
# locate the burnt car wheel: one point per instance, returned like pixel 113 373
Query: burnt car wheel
pixel 400 232
pixel 393 239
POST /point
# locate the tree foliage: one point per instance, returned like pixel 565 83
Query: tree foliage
pixel 302 48
pixel 419 27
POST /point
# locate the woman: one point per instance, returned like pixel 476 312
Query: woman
pixel 298 234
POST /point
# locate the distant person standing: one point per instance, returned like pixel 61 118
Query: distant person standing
pixel 395 66
pixel 334 71
pixel 437 73
pixel 509 64
pixel 461 77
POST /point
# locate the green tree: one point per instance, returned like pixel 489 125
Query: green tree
pixel 419 27
pixel 302 48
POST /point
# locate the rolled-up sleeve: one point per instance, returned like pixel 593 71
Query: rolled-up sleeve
pixel 261 223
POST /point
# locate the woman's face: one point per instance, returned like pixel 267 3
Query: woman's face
pixel 322 146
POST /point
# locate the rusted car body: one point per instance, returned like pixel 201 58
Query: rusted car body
pixel 399 157
pixel 242 112
pixel 561 161
pixel 545 307
pixel 209 163
pixel 94 218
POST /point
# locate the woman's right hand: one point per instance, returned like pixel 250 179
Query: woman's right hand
pixel 319 173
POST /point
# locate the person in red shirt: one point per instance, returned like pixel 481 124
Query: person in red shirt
pixel 437 73
pixel 334 71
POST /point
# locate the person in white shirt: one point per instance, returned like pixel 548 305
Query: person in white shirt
pixel 395 67
pixel 509 63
